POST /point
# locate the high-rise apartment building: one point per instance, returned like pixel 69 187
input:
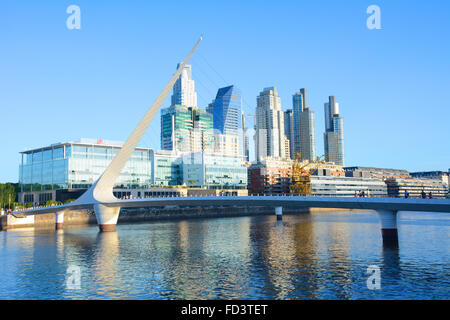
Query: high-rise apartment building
pixel 184 89
pixel 307 135
pixel 334 133
pixel 270 138
pixel 304 128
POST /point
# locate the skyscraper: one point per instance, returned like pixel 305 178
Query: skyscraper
pixel 307 135
pixel 270 138
pixel 304 128
pixel 186 129
pixel 289 131
pixel 334 133
pixel 298 104
pixel 227 110
pixel 184 89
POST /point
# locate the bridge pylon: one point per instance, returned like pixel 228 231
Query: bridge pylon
pixel 59 219
pixel 389 232
pixel 101 192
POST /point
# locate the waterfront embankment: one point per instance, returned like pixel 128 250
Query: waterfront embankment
pixel 136 215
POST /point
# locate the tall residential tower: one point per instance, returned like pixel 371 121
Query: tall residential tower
pixel 270 138
pixel 304 128
pixel 184 89
pixel 334 133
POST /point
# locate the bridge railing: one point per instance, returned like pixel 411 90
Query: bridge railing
pixel 225 195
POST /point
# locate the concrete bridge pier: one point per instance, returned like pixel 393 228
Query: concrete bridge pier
pixel 106 217
pixel 388 219
pixel 279 213
pixel 59 220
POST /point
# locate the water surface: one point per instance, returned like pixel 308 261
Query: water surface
pixel 308 256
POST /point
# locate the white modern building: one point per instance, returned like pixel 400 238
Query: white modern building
pixel 270 139
pixel 333 186
pixel 184 89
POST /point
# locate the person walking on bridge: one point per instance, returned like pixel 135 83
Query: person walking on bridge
pixel 423 194
pixel 406 194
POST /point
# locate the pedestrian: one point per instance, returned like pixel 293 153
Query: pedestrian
pixel 423 194
pixel 406 194
pixel 430 195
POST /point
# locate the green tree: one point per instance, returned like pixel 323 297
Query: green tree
pixel 8 194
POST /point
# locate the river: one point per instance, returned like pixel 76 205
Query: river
pixel 305 256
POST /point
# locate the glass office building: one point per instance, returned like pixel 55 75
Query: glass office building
pixel 167 169
pixel 186 129
pixel 77 165
pixel 214 171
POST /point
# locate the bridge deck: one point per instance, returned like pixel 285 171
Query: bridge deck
pixel 394 204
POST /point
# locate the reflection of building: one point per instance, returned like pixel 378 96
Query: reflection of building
pixel 52 170
pixel 186 129
pixel 270 176
pixel 334 133
pixel 214 171
pixel 270 138
pixel 396 187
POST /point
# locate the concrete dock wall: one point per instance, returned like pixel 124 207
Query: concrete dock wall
pixel 135 215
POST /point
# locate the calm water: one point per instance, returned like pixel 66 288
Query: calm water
pixel 311 256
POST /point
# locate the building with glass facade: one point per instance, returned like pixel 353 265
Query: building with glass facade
pixel 186 129
pixel 289 131
pixel 298 104
pixel 227 115
pixel 214 171
pixel 334 133
pixel 304 137
pixel 77 165
pixel 167 168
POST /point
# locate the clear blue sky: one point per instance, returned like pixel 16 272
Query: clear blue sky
pixel 393 85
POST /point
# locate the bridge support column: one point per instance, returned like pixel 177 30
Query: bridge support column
pixel 388 219
pixel 279 213
pixel 106 217
pixel 59 220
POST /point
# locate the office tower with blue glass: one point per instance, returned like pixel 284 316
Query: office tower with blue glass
pixel 334 133
pixel 304 128
pixel 228 120
pixel 289 131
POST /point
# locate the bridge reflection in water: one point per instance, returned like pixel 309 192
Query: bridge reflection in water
pixel 310 256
